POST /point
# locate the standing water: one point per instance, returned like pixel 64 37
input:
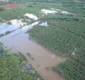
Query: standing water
pixel 42 60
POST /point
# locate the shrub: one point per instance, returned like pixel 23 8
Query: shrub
pixel 1 9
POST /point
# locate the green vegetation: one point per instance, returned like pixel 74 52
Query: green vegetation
pixel 73 68
pixel 65 39
pixel 62 38
pixel 48 1
pixel 65 36
pixel 35 7
pixel 9 67
pixel 30 7
pixel 6 33
pixel 63 17
pixel 1 9
pixel 12 66
pixel 1 49
pixel 9 23
pixel 2 2
pixel 19 11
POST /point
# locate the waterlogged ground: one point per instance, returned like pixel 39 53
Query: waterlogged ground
pixel 4 28
pixel 40 58
pixel 42 14
pixel 18 41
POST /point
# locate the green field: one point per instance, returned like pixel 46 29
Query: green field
pixel 60 37
pixel 35 7
pixel 65 39
pixel 65 36
pixel 18 12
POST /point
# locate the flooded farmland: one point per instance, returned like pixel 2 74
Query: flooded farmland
pixel 40 58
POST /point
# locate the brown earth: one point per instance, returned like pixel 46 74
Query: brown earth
pixel 10 5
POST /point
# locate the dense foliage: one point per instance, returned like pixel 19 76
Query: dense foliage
pixel 65 36
pixel 1 49
pixel 66 39
pixel 19 11
pixel 12 66
pixel 9 66
pixel 62 37
pixel 74 68
pixel 1 9
pixel 21 1
pixel 10 70
pixel 34 7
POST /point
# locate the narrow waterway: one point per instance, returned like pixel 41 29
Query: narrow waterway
pixel 40 58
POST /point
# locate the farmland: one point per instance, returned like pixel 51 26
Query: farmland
pixel 20 10
pixel 63 36
pixel 66 38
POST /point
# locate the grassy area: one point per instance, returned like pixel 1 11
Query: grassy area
pixel 30 7
pixel 35 7
pixel 19 11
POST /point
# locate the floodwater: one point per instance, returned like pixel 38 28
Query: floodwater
pixel 42 59
pixel 45 24
pixel 4 28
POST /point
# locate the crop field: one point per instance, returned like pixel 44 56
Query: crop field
pixel 20 10
pixel 65 39
pixel 17 12
pixel 64 35
pixel 33 7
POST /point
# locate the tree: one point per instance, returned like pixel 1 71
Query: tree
pixel 1 50
pixel 1 9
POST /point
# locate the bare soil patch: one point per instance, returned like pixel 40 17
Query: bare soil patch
pixel 9 5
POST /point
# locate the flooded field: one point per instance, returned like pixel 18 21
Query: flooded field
pixel 46 36
pixel 40 58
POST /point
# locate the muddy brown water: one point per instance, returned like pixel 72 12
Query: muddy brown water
pixel 42 60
